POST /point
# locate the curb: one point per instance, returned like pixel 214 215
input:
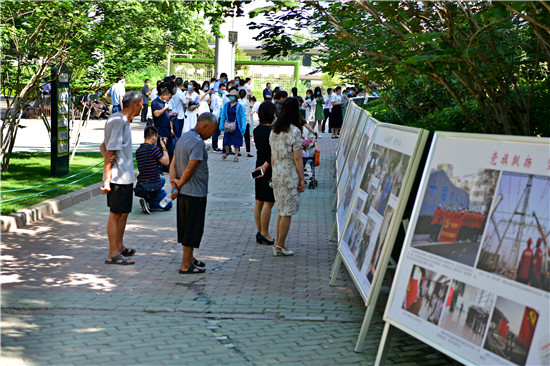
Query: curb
pixel 49 207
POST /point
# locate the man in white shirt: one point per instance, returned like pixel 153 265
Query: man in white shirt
pixel 326 108
pixel 115 94
pixel 218 101
pixel 179 101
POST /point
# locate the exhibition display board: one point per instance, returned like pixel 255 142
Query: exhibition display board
pixel 352 167
pixel 473 279
pixel 378 162
pixel 381 193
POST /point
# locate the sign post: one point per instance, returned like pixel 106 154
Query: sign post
pixel 60 122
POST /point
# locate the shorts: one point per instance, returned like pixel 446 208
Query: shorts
pixel 191 213
pixel 120 198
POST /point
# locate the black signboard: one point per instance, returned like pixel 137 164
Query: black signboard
pixel 60 122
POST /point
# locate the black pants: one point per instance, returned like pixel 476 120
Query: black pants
pixel 170 149
pixel 247 137
pixel 144 112
pixel 327 116
pixel 215 138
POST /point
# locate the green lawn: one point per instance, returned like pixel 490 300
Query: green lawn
pixel 28 169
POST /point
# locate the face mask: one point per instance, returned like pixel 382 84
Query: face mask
pixel 232 98
pixel 99 93
pixel 223 92
pixel 318 93
pixel 189 87
pixel 206 89
pixel 349 94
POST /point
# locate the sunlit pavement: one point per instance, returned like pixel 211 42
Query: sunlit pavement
pixel 61 305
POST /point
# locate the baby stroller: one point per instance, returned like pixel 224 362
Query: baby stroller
pixel 308 155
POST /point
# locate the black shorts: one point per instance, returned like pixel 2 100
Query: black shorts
pixel 190 218
pixel 120 198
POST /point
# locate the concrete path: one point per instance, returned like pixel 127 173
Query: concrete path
pixel 61 305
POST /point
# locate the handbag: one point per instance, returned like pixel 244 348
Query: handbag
pixel 146 190
pixel 230 126
pixel 317 160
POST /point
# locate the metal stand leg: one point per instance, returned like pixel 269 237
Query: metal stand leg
pixel 333 233
pixel 364 328
pixel 335 269
pixel 384 345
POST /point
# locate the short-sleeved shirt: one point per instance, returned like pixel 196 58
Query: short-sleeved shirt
pixel 117 92
pixel 118 137
pixel 326 98
pixel 268 94
pixel 161 123
pixel 148 170
pixel 190 146
pixel 144 95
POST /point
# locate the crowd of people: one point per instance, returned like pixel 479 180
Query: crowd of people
pixel 184 115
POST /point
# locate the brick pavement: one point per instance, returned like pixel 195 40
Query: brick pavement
pixel 62 306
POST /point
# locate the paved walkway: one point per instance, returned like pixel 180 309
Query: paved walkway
pixel 61 305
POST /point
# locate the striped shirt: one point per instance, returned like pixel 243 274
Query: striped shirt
pixel 148 170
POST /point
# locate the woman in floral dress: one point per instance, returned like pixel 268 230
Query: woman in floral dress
pixel 288 170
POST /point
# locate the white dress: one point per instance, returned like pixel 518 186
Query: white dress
pixel 204 106
pixel 309 109
pixel 191 116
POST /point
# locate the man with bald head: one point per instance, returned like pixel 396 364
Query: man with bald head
pixel 189 180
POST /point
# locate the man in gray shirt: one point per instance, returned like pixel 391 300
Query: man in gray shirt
pixel 118 175
pixel 189 180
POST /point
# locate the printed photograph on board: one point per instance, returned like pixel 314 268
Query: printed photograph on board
pixel 466 311
pixel 373 263
pixel 426 294
pixel 511 330
pixel 385 173
pixel 454 211
pixel 515 245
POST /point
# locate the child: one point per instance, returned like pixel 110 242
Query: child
pixel 307 156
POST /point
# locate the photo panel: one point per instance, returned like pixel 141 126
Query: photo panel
pixel 426 293
pixel 378 187
pixel 515 245
pixel 466 312
pixel 454 211
pixel 511 330
pixel 482 218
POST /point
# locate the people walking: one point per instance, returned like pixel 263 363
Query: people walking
pixel 233 123
pixel 288 171
pixel 118 175
pixel 189 181
pixel 264 192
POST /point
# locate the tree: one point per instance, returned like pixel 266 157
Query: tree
pixel 490 59
pixel 31 44
pixel 95 39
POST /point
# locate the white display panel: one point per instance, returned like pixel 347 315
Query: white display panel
pixel 370 224
pixel 473 279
